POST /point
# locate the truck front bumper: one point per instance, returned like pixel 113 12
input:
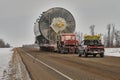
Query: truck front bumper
pixel 95 52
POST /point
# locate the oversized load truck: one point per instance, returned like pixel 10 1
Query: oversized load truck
pixel 49 27
pixel 91 45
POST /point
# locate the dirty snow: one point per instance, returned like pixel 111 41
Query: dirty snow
pixel 5 57
pixel 19 71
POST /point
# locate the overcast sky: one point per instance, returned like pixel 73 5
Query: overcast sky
pixel 18 16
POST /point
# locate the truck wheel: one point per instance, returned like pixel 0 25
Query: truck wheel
pixel 62 51
pixel 58 51
pixel 85 54
pixel 79 55
pixel 102 55
pixel 94 55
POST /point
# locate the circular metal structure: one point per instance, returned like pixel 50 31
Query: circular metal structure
pixel 54 21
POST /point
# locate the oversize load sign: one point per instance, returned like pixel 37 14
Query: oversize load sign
pixel 89 37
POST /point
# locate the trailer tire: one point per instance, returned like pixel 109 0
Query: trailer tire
pixel 62 51
pixel 102 55
pixel 58 51
pixel 85 54
pixel 94 55
pixel 79 55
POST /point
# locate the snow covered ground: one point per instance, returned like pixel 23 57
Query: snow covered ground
pixel 112 52
pixel 5 57
pixel 11 66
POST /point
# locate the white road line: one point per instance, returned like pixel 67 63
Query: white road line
pixel 49 66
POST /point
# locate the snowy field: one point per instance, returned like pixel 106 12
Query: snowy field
pixel 112 52
pixel 5 57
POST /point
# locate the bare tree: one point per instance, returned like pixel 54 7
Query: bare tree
pixel 92 29
pixel 2 43
pixel 78 36
pixel 81 37
pixel 105 40
pixel 112 34
pixel 117 38
pixel 108 40
pixel 7 45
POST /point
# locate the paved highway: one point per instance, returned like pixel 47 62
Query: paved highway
pixel 53 66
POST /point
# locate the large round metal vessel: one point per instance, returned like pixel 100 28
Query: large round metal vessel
pixel 55 21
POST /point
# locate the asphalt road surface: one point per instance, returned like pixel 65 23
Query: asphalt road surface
pixel 53 66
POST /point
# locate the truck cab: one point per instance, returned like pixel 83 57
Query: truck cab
pixel 67 43
pixel 91 46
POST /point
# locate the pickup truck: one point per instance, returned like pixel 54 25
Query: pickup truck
pixel 91 47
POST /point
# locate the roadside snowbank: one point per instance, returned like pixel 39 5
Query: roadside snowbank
pixel 5 57
pixel 112 52
pixel 18 69
pixel 11 65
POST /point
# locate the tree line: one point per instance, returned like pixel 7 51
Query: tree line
pixel 110 39
pixel 3 45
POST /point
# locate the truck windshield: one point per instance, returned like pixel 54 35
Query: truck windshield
pixel 68 38
pixel 92 42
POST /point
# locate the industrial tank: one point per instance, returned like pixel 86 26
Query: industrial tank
pixel 53 22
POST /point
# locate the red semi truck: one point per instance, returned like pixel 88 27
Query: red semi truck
pixel 67 43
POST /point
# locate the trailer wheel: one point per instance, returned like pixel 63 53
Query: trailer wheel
pixel 58 51
pixel 94 55
pixel 85 54
pixel 102 55
pixel 80 55
pixel 62 51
